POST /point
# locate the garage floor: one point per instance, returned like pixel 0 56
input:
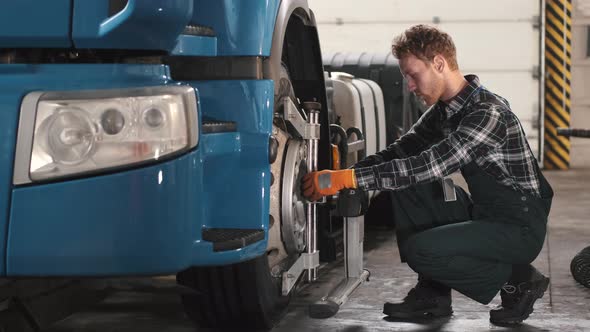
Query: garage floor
pixel 565 307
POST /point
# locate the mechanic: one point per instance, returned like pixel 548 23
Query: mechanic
pixel 484 240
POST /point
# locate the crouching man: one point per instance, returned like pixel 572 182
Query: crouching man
pixel 484 241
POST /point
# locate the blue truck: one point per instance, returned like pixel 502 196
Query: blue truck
pixel 148 138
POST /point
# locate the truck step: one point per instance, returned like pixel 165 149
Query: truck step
pixel 210 127
pixel 232 238
pixel 199 30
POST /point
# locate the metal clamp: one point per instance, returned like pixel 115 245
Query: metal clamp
pixel 300 126
pixel 304 262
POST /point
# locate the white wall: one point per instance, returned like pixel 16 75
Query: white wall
pixel 495 39
pixel 580 109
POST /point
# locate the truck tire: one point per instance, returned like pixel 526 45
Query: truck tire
pixel 248 295
pixel 242 296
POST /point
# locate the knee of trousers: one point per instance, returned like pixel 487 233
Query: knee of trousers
pixel 422 255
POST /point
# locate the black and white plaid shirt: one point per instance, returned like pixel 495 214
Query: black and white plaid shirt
pixel 476 125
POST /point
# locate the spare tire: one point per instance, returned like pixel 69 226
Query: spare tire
pixel 580 267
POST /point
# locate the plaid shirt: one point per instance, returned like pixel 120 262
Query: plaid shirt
pixel 476 125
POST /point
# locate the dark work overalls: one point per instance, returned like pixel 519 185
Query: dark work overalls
pixel 470 244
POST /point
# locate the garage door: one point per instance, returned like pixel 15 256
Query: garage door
pixel 497 40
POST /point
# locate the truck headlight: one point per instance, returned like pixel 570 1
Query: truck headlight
pixel 63 134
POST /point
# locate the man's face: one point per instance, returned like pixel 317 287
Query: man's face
pixel 422 78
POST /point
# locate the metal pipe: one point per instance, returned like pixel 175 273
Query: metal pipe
pixel 311 208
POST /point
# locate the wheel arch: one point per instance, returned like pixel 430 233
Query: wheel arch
pixel 295 43
pixel 287 9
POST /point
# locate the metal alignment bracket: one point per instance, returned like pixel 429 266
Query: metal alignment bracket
pixel 300 125
pixel 305 261
pixel 354 273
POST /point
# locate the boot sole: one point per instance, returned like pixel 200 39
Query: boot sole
pixel 438 312
pixel 519 319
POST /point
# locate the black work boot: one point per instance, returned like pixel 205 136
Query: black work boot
pixel 518 299
pixel 427 299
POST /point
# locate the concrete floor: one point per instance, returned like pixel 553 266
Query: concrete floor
pixel 565 307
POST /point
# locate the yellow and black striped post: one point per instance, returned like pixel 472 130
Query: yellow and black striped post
pixel 558 64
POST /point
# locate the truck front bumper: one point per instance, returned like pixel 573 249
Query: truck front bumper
pixel 151 220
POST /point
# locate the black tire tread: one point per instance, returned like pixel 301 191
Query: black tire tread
pixel 240 296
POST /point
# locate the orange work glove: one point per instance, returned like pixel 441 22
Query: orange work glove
pixel 327 182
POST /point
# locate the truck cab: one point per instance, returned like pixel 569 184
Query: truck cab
pixel 147 138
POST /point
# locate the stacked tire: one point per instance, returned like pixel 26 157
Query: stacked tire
pixel 580 267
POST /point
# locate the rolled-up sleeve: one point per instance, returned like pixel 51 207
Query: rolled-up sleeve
pixel 479 132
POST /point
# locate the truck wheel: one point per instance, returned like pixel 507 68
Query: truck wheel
pixel 240 296
pixel 248 295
